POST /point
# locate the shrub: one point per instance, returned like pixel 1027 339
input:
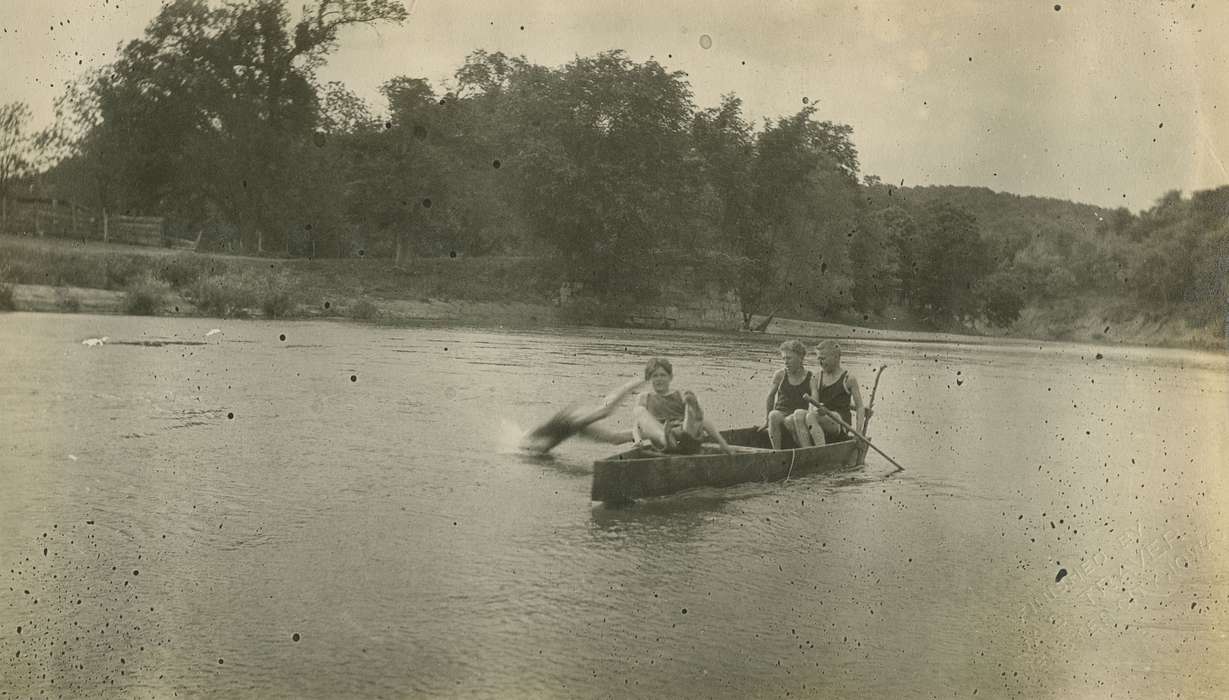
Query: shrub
pixel 183 270
pixel 364 310
pixel 276 297
pixel 6 298
pixel 65 300
pixel 72 270
pixel 1000 298
pixel 228 294
pixel 589 311
pixel 123 270
pixel 277 302
pixel 145 295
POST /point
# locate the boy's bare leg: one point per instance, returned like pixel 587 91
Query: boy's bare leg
pixel 814 429
pixel 697 425
pixel 776 420
pixel 602 434
pixel 798 423
pixel 570 421
pixel 610 403
pixel 715 435
pixel 650 428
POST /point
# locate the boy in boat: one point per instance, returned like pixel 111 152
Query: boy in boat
pixel 838 391
pixel 786 408
pixel 572 421
pixel 672 420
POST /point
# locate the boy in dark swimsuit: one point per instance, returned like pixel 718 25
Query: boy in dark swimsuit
pixel 839 392
pixel 672 420
pixel 786 408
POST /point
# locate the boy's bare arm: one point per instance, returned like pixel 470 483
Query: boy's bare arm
pixel 855 391
pixel 772 394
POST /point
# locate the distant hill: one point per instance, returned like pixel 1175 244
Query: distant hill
pixel 1007 217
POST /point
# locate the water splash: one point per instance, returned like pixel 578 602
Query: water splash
pixel 510 439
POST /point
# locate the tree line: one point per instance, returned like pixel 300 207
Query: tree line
pixel 604 168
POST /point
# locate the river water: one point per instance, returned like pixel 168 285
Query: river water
pixel 319 509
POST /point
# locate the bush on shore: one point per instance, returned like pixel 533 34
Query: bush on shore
pixel 364 310
pixel 145 295
pixel 235 293
pixel 275 298
pixel 228 294
pixel 65 300
pixel 589 311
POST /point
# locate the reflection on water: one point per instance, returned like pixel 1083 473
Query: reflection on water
pixel 309 509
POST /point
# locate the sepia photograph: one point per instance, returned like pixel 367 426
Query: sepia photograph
pixel 580 349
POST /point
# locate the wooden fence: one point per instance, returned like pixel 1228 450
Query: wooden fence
pixel 48 217
pixel 135 230
pixel 30 216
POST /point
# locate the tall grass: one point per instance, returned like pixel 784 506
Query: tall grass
pixel 65 300
pixel 228 294
pixel 364 310
pixel 276 299
pixel 145 295
pixel 238 293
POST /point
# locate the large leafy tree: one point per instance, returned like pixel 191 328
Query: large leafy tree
pixel 876 258
pixel 725 144
pixel 603 168
pixel 805 201
pixel 202 115
pixel 951 258
pixel 15 146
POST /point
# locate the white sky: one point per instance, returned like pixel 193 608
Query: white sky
pixel 1066 103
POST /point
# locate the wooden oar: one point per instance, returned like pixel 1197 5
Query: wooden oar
pixel 853 432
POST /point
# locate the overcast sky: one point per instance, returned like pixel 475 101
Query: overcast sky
pixel 1111 103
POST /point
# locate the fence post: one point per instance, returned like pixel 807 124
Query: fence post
pixel 104 224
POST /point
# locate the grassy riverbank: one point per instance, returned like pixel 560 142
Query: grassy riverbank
pixel 69 276
pixel 60 275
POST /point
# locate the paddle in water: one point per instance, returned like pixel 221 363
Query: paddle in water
pixel 573 421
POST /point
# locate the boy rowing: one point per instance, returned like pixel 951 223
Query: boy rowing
pixel 838 392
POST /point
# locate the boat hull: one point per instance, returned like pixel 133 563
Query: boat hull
pixel 643 472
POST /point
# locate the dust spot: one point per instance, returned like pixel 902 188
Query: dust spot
pixel 1062 573
pixel 354 377
pixel 706 41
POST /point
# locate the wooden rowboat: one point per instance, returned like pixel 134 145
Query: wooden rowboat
pixel 643 471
